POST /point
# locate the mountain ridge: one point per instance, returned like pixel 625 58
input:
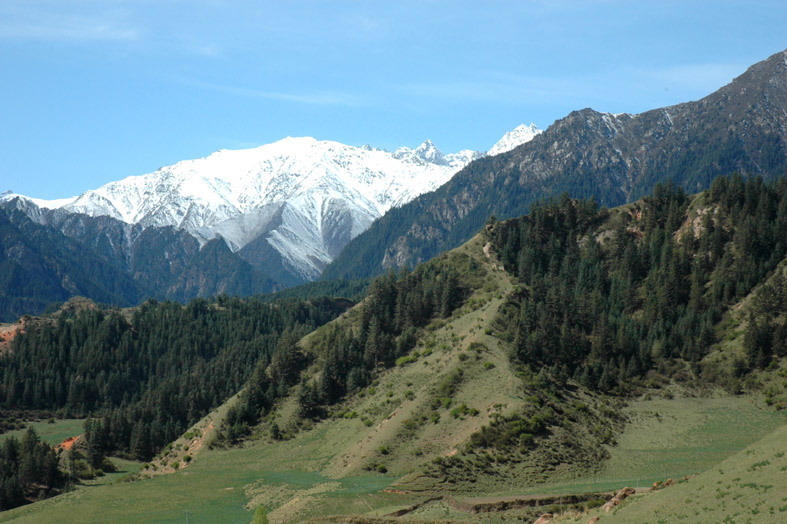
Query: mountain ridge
pixel 613 158
pixel 287 208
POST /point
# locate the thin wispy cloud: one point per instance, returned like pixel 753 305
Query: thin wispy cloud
pixel 573 88
pixel 314 98
pixel 25 21
pixel 67 32
pixel 207 50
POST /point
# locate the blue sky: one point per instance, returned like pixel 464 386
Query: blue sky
pixel 95 90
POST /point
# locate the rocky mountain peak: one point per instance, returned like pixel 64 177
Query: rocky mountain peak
pixel 514 138
pixel 428 152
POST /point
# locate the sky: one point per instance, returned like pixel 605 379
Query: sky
pixel 93 91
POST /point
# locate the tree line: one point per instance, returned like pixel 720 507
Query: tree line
pixel 28 470
pixel 147 376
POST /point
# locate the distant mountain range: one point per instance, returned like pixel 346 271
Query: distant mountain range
pixel 614 158
pixel 250 221
pixel 236 222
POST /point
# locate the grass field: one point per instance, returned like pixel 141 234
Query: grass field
pixel 674 438
pixel 749 487
pixel 216 487
pixel 52 433
pixel 683 435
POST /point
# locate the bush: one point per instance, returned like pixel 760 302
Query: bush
pixel 460 410
pixel 260 516
pixel 403 361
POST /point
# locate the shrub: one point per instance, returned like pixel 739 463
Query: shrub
pixel 403 361
pixel 460 411
pixel 260 516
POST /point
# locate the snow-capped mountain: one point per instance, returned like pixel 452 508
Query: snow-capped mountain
pixel 514 138
pixel 293 203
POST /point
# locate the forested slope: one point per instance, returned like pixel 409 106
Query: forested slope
pixel 149 373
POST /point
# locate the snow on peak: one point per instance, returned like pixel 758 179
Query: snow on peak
pixel 430 154
pixel 5 196
pixel 307 197
pixel 463 157
pixel 516 137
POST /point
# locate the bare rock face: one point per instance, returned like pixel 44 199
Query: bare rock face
pixel 543 519
pixel 619 497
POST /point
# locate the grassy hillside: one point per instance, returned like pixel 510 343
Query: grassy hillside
pixel 380 437
pixel 747 487
pixel 509 388
pixel 398 445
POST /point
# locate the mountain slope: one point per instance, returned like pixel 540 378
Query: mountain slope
pixel 514 138
pixel 163 263
pixel 229 222
pixel 614 158
pixel 302 198
pixel 39 266
pixel 745 485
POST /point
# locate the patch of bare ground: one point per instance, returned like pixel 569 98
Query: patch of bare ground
pixel 8 332
pixel 181 453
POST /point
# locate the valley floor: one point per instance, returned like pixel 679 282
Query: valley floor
pixel 665 438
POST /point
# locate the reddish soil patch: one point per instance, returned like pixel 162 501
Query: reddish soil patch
pixel 7 334
pixel 197 443
pixel 68 443
pixel 397 491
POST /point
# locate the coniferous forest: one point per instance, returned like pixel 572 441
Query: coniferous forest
pixel 145 377
pixel 28 469
pixel 655 290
